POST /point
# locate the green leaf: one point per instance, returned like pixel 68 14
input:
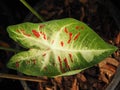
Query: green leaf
pixel 57 48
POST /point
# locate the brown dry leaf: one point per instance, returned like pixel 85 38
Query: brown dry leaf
pixel 107 69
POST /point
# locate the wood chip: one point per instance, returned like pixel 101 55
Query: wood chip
pixel 58 80
pixel 107 69
pixel 74 85
pixel 81 77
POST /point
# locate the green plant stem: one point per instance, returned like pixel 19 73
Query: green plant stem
pixel 9 49
pixel 32 10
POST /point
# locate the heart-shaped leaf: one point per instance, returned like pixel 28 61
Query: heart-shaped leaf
pixel 57 48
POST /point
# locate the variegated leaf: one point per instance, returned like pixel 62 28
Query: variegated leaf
pixel 57 48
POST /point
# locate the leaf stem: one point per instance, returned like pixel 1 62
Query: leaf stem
pixel 9 49
pixel 32 10
pixel 16 77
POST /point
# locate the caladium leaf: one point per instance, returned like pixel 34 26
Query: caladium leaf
pixel 57 48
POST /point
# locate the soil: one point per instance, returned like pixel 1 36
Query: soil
pixel 102 16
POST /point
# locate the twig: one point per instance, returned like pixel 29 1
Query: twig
pixel 32 10
pixel 23 83
pixel 9 49
pixel 25 78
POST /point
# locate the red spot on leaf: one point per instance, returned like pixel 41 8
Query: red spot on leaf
pixel 41 26
pixel 70 37
pixel 44 36
pixel 17 31
pixel 17 64
pixel 23 32
pixel 27 34
pixel 70 55
pixel 76 36
pixel 37 34
pixel 41 32
pixel 60 63
pixel 62 43
pixel 59 59
pixel 77 27
pixel 66 63
pixel 66 30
